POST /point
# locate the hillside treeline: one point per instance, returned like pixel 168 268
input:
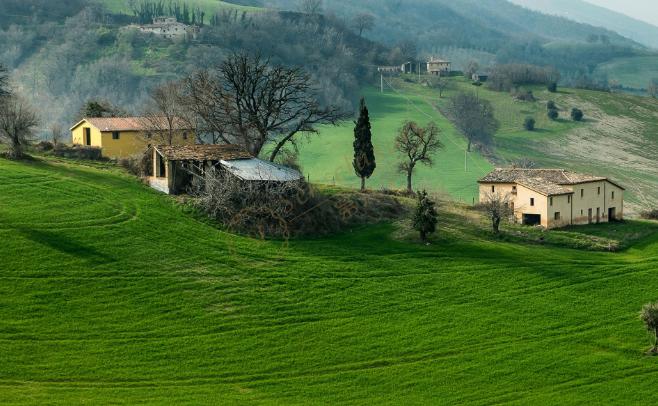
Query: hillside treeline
pixel 63 64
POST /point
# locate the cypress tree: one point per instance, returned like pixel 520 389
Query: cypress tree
pixel 364 153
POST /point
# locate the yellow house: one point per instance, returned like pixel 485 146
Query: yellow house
pixel 555 198
pixel 123 137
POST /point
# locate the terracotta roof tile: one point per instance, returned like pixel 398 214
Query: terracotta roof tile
pixel 131 123
pixel 226 152
pixel 545 181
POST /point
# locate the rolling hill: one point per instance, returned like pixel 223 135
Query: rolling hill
pixel 582 11
pixel 112 293
pixel 478 24
pixel 617 139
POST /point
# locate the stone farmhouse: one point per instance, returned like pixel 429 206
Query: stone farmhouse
pixel 438 67
pixel 175 166
pixel 124 137
pixel 169 27
pixel 556 198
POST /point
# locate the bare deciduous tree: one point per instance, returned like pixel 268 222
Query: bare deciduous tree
pixel 363 22
pixel 473 117
pixel 56 133
pixel 471 69
pixel 497 207
pixel 166 117
pixel 249 101
pixel 4 83
pixel 310 6
pixel 652 89
pixel 438 83
pixel 17 122
pixel 417 145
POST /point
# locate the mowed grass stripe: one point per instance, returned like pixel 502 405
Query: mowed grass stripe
pixel 165 309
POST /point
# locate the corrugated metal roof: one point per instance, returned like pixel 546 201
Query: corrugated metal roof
pixel 257 170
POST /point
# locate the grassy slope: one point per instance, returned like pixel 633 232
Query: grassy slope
pixel 633 72
pixel 111 294
pixel 617 139
pixel 329 156
pixel 209 6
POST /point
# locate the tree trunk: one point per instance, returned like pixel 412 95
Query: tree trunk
pixel 280 145
pixel 496 225
pixel 423 236
pixel 410 189
pixel 655 347
pixel 469 145
pixel 363 184
pixel 16 151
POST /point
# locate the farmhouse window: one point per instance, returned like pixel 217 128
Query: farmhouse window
pixel 185 135
pixel 514 190
pixel 569 199
pixel 115 135
pixel 613 195
pixel 532 201
pixel 558 215
pixel 599 190
pixel 551 201
pixel 582 193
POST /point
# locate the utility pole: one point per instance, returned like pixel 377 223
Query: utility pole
pixel 382 82
pixel 465 161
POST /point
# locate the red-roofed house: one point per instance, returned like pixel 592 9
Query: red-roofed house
pixel 122 137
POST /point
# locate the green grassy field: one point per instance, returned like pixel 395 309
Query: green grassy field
pixel 328 158
pixel 617 139
pixel 209 6
pixel 634 72
pixel 111 293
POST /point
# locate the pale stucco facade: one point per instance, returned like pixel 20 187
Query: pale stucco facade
pixel 587 200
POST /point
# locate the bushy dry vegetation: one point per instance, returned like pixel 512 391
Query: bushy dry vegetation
pixel 290 209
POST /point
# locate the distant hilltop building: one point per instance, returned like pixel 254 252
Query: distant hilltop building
pixel 168 27
pixel 438 67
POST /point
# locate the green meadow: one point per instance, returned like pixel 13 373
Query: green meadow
pixel 636 72
pixel 327 158
pixel 113 294
pixel 617 139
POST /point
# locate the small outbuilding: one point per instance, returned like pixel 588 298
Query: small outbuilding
pixel 174 167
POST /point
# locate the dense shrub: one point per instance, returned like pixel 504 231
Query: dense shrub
pixel 553 114
pixel 44 146
pixel 552 87
pixel 523 95
pixel 577 114
pixel 78 152
pixel 138 165
pixel 551 105
pixel 650 214
pixel 283 210
pixel 529 124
